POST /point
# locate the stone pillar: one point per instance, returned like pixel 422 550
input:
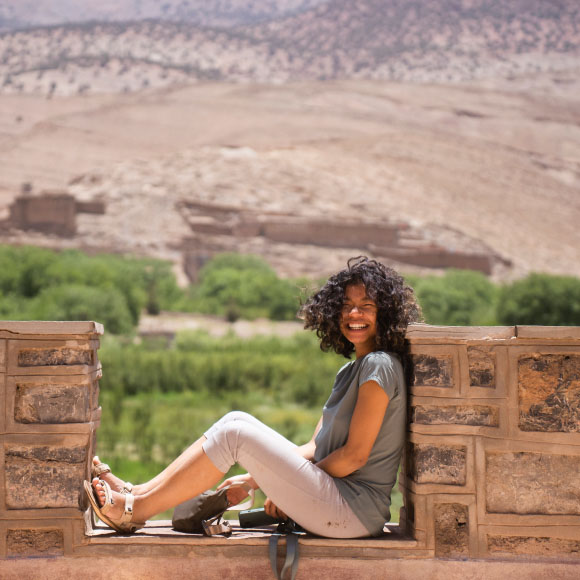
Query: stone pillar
pixel 49 374
pixel 492 468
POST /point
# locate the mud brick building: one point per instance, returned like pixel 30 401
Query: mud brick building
pixel 491 473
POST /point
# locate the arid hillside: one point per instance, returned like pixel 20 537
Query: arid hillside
pixel 456 123
pixel 438 41
pixel 468 167
pixel 223 13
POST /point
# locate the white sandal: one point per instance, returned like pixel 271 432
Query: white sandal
pixel 100 468
pixel 124 525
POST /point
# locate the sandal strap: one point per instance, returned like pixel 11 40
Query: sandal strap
pixel 127 487
pixel 128 513
pixel 99 469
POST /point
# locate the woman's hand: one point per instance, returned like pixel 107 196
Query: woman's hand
pixel 237 494
pixel 272 510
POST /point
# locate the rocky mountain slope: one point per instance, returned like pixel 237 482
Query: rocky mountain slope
pixel 21 14
pixel 439 41
pixel 460 118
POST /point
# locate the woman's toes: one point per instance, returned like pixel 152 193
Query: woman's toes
pixel 99 490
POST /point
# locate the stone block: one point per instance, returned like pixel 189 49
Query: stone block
pixel 2 355
pixel 541 546
pixel 432 371
pixel 57 356
pixel 532 483
pixel 471 415
pixel 25 543
pixel 451 530
pixel 482 364
pixel 43 475
pixel 442 464
pixel 549 392
pixel 52 403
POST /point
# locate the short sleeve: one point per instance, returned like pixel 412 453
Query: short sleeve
pixel 383 368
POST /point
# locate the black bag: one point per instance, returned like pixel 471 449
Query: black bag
pixel 201 514
pixel 190 515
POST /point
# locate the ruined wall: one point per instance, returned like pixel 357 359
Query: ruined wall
pixel 49 374
pixel 49 213
pixel 492 467
pixel 438 258
pixel 330 233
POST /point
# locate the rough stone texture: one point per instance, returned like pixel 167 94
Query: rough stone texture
pixel 451 530
pixel 472 415
pixel 432 371
pixel 481 367
pixel 2 354
pixel 533 546
pixel 43 476
pixel 532 483
pixel 38 357
pixel 50 403
pixel 39 542
pixel 444 464
pixel 549 392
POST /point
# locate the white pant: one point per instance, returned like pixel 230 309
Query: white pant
pixel 303 491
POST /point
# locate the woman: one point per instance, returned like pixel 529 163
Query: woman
pixel 338 484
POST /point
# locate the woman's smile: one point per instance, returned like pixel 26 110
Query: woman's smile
pixel 358 322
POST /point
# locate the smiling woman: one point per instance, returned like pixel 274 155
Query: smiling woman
pixel 358 321
pixel 339 483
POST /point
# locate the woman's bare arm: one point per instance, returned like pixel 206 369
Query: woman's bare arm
pixel 365 424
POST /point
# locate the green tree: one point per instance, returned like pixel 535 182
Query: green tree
pixel 459 297
pixel 76 302
pixel 541 299
pixel 240 285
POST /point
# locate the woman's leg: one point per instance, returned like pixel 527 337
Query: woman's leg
pixel 188 478
pixel 300 489
pixel 188 475
pixel 140 489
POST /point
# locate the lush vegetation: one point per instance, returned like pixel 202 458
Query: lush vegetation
pixel 157 397
pixel 541 299
pixel 39 284
pixel 458 298
pixel 234 286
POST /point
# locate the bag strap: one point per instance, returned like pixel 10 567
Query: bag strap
pixel 248 503
pixel 213 526
pixel 292 553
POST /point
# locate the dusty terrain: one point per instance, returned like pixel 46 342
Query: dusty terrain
pixel 497 166
pixel 459 118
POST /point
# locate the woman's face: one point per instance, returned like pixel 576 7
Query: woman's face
pixel 358 320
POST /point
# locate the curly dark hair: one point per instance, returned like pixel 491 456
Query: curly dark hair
pixel 396 306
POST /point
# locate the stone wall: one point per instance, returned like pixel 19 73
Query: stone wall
pixel 47 213
pixel 49 373
pixel 492 467
pixel 333 234
pixel 437 257
pixel 51 213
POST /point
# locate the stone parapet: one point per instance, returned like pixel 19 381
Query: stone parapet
pixel 492 464
pixel 49 373
pixel 490 477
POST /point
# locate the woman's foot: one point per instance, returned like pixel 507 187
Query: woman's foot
pixel 103 471
pixel 113 508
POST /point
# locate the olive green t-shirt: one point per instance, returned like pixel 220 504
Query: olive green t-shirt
pixel 368 489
